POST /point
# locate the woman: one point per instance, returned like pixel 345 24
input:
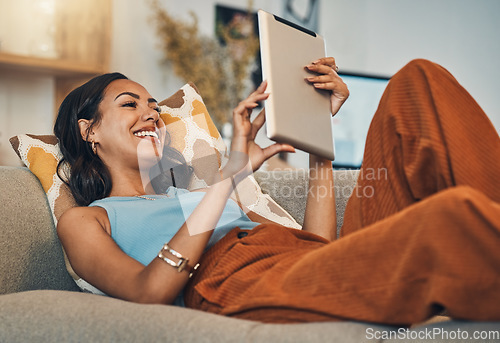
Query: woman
pixel 426 239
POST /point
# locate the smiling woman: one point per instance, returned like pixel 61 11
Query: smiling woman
pixel 85 135
pixel 131 113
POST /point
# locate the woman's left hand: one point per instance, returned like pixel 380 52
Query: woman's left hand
pixel 328 79
pixel 245 131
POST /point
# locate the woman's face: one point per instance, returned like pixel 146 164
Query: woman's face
pixel 131 133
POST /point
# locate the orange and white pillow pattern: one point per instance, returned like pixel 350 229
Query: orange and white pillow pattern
pixel 41 155
pixel 194 134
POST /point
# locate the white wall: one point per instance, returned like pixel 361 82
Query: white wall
pixel 381 36
pixel 26 106
pixel 376 37
pixel 135 47
pixel 26 101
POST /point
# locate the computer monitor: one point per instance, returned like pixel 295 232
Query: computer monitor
pixel 350 124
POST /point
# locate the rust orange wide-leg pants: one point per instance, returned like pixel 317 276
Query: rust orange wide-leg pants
pixel 426 238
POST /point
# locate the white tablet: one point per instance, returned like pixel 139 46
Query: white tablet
pixel 296 112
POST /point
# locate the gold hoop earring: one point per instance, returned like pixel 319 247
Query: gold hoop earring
pixel 94 149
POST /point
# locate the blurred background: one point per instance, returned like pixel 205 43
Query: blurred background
pixel 47 47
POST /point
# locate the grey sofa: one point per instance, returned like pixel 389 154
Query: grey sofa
pixel 40 303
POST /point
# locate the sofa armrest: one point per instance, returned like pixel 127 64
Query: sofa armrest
pixel 289 189
pixel 30 253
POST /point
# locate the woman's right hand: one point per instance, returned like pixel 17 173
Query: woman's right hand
pixel 243 146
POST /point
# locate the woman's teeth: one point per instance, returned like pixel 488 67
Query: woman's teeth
pixel 146 133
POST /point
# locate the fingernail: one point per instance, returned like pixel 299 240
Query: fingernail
pixel 315 62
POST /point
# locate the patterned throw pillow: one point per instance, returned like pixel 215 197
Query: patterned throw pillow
pixel 194 134
pixel 41 155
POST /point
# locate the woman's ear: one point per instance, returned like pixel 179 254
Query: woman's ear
pixel 85 127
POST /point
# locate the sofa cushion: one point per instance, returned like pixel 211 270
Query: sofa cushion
pixel 30 254
pixel 60 316
pixel 289 190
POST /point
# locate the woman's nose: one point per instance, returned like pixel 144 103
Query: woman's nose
pixel 151 114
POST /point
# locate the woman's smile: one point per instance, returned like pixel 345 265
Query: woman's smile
pixel 142 134
pixel 149 134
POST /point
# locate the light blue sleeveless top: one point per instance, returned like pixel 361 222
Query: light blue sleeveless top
pixel 141 226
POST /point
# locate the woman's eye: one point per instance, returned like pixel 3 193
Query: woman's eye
pixel 157 109
pixel 130 104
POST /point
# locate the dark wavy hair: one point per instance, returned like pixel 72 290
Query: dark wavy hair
pixel 89 178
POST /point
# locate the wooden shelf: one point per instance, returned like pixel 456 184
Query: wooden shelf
pixel 83 41
pixel 47 66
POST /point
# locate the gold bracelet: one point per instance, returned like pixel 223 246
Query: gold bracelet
pixel 181 264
